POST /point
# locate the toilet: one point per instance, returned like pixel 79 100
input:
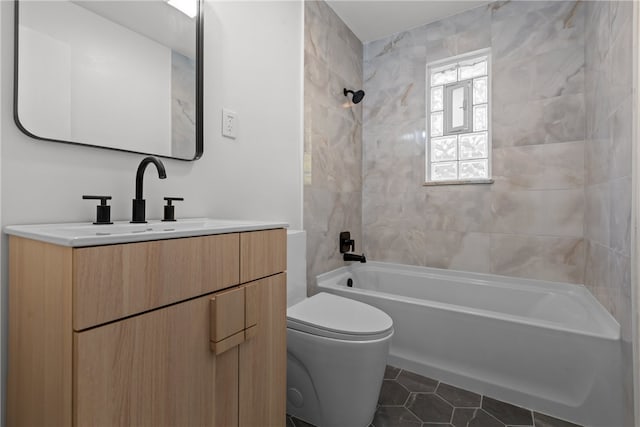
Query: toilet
pixel 336 351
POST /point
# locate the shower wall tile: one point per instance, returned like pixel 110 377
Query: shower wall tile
pixel 559 119
pixel 523 30
pixel 539 167
pixel 548 212
pixel 545 258
pixel 332 138
pixel 608 153
pixel 620 216
pixel 536 205
pixel 597 213
pixel 621 153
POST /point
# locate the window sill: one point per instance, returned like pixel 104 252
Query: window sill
pixel 473 181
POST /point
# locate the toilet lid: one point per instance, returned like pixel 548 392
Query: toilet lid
pixel 327 315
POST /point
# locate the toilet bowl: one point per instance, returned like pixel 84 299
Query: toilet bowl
pixel 336 350
pixel 336 356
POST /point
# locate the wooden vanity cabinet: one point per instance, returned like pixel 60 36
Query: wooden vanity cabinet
pixel 196 357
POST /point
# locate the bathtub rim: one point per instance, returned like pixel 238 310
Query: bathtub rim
pixel 610 328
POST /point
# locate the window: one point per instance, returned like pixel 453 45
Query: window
pixel 459 134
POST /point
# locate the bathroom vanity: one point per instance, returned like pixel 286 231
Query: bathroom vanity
pixel 182 328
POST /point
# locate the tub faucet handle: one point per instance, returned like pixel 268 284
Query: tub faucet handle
pixel 346 243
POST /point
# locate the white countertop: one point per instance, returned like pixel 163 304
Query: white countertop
pixel 86 234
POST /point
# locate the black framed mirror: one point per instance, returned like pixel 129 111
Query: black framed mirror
pixel 122 75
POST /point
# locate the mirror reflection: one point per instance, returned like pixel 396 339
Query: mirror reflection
pixel 115 74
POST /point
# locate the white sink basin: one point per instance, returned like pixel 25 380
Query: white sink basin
pixel 86 234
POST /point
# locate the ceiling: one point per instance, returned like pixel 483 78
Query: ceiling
pixel 373 19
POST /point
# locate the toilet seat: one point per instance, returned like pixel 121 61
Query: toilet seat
pixel 331 316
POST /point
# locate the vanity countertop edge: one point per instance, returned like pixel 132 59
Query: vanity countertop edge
pixel 77 235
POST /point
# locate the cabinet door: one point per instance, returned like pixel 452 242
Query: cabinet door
pixel 155 369
pixel 263 363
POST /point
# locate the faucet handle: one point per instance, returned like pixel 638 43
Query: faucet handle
pixel 103 211
pixel 169 209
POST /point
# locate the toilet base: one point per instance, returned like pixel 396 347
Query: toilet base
pixel 332 382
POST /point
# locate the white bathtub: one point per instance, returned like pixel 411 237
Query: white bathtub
pixel 550 347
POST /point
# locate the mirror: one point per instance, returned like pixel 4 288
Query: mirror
pixel 122 75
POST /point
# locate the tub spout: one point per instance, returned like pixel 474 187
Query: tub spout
pixel 354 257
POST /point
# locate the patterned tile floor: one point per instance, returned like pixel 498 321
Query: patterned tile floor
pixel 410 400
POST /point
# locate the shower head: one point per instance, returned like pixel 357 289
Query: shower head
pixel 356 96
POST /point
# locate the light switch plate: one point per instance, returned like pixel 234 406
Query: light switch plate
pixel 229 123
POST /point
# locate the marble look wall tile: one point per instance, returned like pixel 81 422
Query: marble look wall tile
pixel 477 19
pixel 316 37
pixel 619 281
pixel 441 49
pixel 393 159
pixel 326 215
pixel 559 119
pixel 539 167
pixel 326 210
pixel 546 75
pixel 596 273
pixel 620 216
pixel 549 212
pixel 407 65
pixel 390 244
pixel 621 144
pixel 316 80
pixel 332 140
pixel 597 213
pixel 345 61
pixel 395 43
pixel 434 248
pixel 454 208
pixel 552 26
pixel 559 72
pixel 598 151
pixel 620 16
pixel 457 208
pixel 538 257
pixel 621 66
pixel 543 82
pixel 399 104
pixel 608 165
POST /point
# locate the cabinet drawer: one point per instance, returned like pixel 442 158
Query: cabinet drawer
pixel 111 282
pixel 263 253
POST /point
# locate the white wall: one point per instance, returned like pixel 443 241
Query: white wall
pixel 254 66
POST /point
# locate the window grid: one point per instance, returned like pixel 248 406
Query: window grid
pixel 459 155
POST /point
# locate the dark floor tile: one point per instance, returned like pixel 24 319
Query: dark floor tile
pixel 300 423
pixel 392 394
pixel 395 416
pixel 462 416
pixel 458 397
pixel 391 372
pixel 417 383
pixel 483 419
pixel 290 422
pixel 506 412
pixel 436 425
pixel 541 420
pixel 430 408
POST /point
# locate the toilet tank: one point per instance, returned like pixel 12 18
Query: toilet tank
pixel 296 266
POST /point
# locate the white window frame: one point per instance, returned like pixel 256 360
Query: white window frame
pixel 447 130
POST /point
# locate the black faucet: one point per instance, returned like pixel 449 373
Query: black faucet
pixel 354 257
pixel 138 215
pixel 347 244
